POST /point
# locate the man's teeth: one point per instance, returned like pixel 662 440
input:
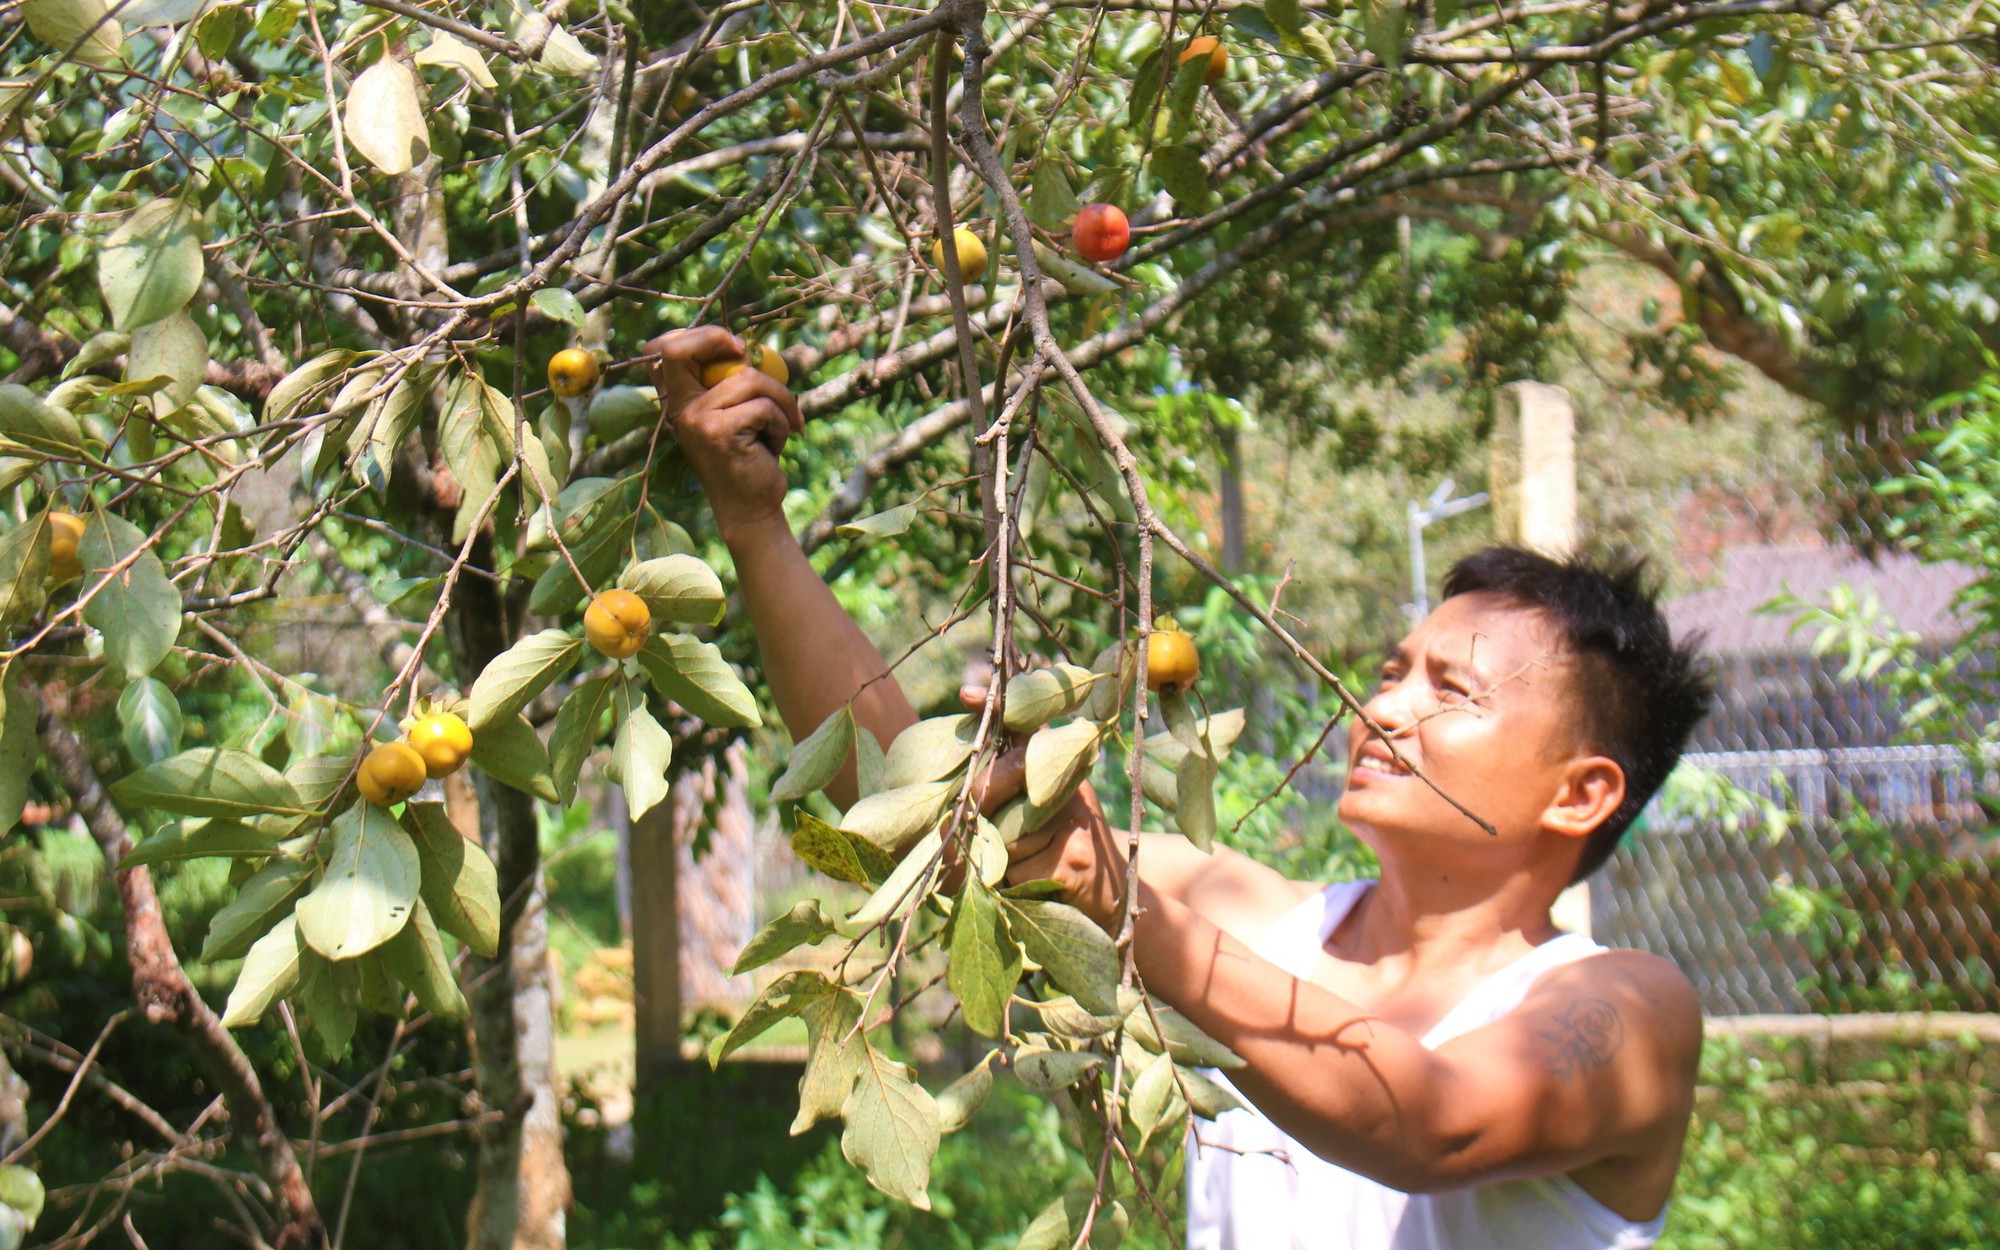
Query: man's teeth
pixel 1375 763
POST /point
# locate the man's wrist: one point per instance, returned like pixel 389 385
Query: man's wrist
pixel 751 534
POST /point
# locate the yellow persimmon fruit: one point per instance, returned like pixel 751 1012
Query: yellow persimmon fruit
pixel 1212 48
pixel 65 531
pixel 572 372
pixel 617 622
pixel 971 255
pixel 1172 663
pixel 392 772
pixel 768 362
pixel 444 741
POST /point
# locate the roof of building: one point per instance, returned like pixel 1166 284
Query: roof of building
pixel 1917 596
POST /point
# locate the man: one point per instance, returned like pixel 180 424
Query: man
pixel 1430 1061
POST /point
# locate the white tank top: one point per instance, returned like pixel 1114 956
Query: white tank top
pixel 1251 1187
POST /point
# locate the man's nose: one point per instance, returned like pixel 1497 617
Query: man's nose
pixel 1399 706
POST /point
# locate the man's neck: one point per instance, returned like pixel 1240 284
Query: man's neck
pixel 1424 923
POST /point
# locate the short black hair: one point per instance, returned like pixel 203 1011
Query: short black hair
pixel 1642 693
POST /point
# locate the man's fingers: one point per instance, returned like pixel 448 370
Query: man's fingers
pixel 1003 779
pixel 678 356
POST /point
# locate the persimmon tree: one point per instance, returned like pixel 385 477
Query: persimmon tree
pixel 308 297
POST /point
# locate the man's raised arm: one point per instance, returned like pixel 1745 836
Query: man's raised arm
pixel 815 656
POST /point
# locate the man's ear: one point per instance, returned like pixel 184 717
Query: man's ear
pixel 1593 787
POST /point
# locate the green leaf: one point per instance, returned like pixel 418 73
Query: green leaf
pixel 227 838
pixel 555 303
pixel 1177 1036
pixel 837 853
pixel 262 901
pixel 870 762
pixel 1385 25
pixel 1034 699
pixel 22 1190
pixel 137 609
pixel 1194 800
pixel 884 524
pixel 905 889
pixel 172 348
pixel 930 750
pixel 1206 1098
pixel 509 750
pixel 575 733
pixel 833 1053
pixel 384 117
pixel 323 783
pixel 150 719
pixel 1071 948
pixel 1180 170
pixel 816 760
pixel 1052 204
pixel 307 383
pixel 1061 1222
pixel 1160 772
pixel 101 348
pixel 460 885
pixel 37 425
pixel 270 971
pixel 782 999
pixel 151 264
pixel 985 959
pixel 20 748
pixel 1059 760
pixel 893 819
pixel 677 588
pixel 372 876
pixel 417 956
pixel 640 755
pixel 517 675
pixel 1052 1070
pixel 892 1130
pixel 1285 15
pixel 962 1099
pixel 327 993
pixel 806 924
pixel 693 674
pixel 208 781
pixel 24 568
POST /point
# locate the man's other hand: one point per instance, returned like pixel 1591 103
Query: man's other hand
pixel 731 434
pixel 1076 848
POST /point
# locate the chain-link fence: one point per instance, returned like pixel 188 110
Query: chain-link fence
pixel 1842 866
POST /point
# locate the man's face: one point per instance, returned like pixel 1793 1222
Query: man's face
pixel 1478 697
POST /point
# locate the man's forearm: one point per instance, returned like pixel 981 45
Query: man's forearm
pixel 815 657
pixel 1348 1086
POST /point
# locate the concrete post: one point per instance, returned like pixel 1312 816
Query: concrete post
pixel 1534 506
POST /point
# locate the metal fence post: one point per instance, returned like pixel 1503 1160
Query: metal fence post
pixel 1534 505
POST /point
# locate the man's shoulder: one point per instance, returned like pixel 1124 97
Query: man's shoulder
pixel 1633 989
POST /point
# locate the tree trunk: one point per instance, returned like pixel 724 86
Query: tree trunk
pixel 716 887
pixel 523 1191
pixel 656 935
pixel 163 992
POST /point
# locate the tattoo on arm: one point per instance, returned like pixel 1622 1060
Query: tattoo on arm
pixel 1586 1035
